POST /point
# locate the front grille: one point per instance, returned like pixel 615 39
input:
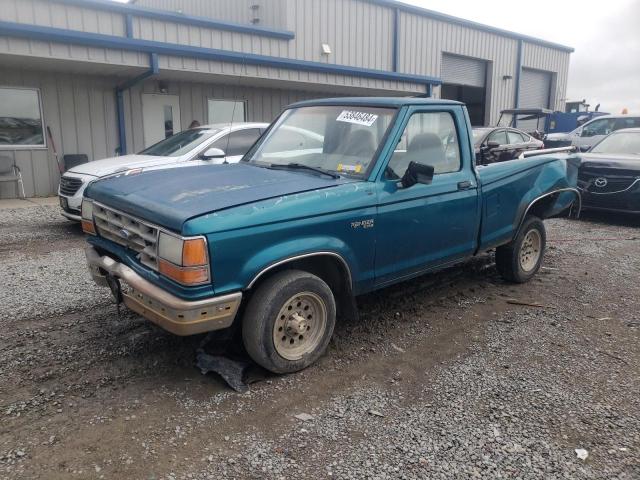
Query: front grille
pixel 614 183
pixel 129 232
pixel 69 185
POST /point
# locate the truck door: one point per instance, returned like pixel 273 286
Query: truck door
pixel 427 225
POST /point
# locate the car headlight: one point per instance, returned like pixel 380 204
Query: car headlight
pixel 185 260
pixel 88 226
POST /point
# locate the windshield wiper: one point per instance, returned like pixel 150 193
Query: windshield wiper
pixel 300 166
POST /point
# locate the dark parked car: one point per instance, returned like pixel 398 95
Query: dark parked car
pixel 498 144
pixel 609 175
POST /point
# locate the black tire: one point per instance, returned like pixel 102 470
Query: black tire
pixel 508 257
pixel 264 310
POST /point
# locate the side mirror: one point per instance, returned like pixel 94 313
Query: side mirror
pixel 493 144
pixel 417 173
pixel 585 148
pixel 212 153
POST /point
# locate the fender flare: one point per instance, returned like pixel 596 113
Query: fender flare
pixel 533 202
pixel 293 258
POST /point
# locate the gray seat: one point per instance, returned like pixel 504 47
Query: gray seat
pixel 427 148
pixel 10 172
pixel 424 148
pixel 360 144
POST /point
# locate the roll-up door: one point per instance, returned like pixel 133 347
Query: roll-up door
pixel 535 89
pixel 535 92
pixel 463 71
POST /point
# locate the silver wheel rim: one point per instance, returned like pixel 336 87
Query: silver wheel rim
pixel 300 326
pixel 530 250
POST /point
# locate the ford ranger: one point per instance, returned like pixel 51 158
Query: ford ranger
pixel 283 241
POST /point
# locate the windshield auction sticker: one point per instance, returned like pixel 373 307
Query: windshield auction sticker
pixel 359 118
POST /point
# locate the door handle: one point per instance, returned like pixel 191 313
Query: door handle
pixel 466 185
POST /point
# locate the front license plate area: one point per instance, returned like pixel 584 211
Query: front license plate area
pixel 115 287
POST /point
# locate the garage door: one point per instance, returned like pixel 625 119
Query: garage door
pixel 535 88
pixel 463 71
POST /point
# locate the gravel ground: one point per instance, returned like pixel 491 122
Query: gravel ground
pixel 446 376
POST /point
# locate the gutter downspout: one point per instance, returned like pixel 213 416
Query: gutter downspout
pixel 120 89
pixel 517 88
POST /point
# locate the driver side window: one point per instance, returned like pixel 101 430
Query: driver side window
pixel 597 127
pixel 429 138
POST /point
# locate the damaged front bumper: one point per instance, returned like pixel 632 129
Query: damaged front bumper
pixel 178 316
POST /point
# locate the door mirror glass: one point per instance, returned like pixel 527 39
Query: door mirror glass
pixel 212 153
pixel 417 173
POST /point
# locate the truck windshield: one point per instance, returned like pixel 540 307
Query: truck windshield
pixel 180 143
pixel 622 143
pixel 340 139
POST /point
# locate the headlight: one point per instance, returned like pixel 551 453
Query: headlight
pixel 87 217
pixel 185 260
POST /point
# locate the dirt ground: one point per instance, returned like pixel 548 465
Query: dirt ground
pixel 451 375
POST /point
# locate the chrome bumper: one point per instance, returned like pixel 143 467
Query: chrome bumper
pixel 71 216
pixel 178 316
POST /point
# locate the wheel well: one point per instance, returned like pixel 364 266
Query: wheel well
pixel 330 269
pixel 542 206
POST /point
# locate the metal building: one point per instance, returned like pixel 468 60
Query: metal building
pixel 110 78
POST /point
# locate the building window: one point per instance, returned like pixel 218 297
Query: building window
pixel 227 111
pixel 20 118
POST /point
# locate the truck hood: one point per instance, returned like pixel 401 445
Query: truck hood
pixel 610 161
pixel 170 197
pixel 109 166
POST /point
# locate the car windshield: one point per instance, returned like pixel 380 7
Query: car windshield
pixel 341 139
pixel 627 143
pixel 479 133
pixel 180 143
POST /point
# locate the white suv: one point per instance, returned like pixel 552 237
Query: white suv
pixel 587 135
pixel 205 145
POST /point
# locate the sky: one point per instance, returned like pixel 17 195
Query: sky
pixel 605 67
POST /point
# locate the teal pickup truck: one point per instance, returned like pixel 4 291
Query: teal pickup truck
pixel 339 197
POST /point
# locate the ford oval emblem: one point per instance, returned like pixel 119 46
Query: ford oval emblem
pixel 125 234
pixel 601 182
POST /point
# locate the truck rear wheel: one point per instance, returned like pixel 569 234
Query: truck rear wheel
pixel 519 261
pixel 289 321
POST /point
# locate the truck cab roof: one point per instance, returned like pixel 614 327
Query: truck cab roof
pixel 393 102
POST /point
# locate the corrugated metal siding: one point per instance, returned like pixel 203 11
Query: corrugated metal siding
pixel 270 12
pixel 80 110
pixel 50 14
pixel 263 104
pixel 423 40
pixel 463 71
pixel 359 33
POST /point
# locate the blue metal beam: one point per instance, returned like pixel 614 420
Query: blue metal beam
pixel 516 101
pixel 130 9
pixel 49 34
pixel 396 39
pixel 128 25
pixel 154 69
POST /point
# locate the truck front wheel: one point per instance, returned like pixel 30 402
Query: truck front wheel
pixel 289 321
pixel 519 261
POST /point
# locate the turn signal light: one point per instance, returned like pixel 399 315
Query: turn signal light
pixel 184 275
pixel 88 227
pixel 194 252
